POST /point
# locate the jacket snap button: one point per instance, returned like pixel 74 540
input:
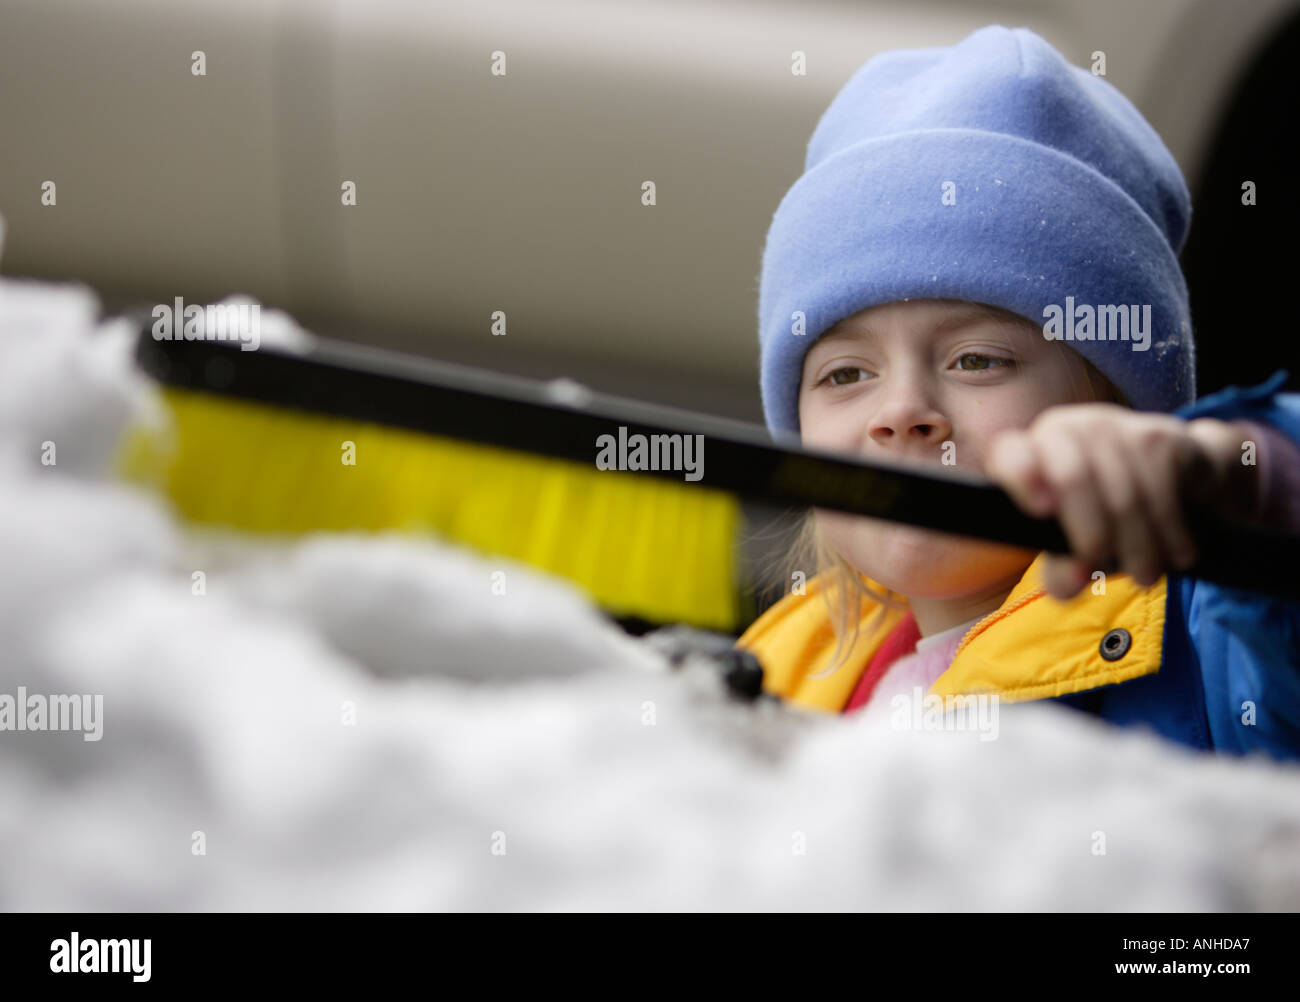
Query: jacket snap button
pixel 1115 644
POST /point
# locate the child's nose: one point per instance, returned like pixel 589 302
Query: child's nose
pixel 908 422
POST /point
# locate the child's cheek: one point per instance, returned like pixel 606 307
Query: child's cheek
pixel 814 429
pixel 833 429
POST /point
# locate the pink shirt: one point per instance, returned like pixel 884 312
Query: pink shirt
pixel 929 660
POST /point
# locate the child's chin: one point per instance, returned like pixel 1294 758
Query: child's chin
pixel 919 563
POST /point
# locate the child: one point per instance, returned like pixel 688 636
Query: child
pixel 979 268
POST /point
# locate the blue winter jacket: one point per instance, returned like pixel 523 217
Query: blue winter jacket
pixel 1230 676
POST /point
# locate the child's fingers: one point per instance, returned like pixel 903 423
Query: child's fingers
pixel 1063 577
pixel 1013 464
pixel 1116 489
pixel 1227 487
pixel 1047 471
pixel 1136 540
pixel 1157 466
pixel 1082 513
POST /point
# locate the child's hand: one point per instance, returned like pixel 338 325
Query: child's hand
pixel 1116 480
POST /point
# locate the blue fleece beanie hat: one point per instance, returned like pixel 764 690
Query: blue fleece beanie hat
pixel 1057 187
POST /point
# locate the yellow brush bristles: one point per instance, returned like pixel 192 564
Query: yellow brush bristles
pixel 638 545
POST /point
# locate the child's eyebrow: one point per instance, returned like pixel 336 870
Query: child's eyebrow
pixel 962 318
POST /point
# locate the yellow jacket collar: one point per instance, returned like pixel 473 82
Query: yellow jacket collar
pixel 1031 647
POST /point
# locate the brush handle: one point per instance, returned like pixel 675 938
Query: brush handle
pixel 563 420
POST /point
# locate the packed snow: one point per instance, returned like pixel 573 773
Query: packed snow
pixel 354 721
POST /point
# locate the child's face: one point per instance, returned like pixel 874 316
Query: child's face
pixel 894 381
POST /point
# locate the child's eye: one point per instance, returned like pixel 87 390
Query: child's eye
pixel 834 374
pixel 986 361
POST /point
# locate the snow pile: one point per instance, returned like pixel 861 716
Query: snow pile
pixel 351 722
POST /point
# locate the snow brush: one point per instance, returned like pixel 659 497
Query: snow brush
pixel 321 435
